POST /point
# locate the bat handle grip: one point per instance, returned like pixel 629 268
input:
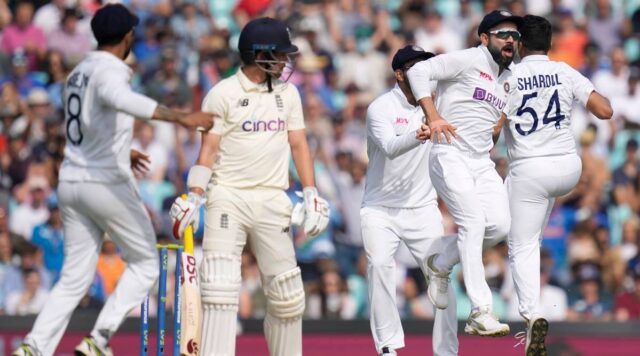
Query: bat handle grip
pixel 188 235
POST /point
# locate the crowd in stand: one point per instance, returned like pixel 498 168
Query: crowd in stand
pixel 591 246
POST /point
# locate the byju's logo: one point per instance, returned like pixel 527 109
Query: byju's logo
pixel 482 95
pixel 479 94
pixel 264 125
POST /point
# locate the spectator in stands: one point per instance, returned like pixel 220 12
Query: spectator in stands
pixel 110 266
pixel 29 258
pixel 591 305
pixel 32 212
pixel 189 26
pixel 23 35
pixel 68 39
pixel 20 76
pixel 435 36
pixel 333 301
pixel 49 238
pixel 6 255
pixel 47 16
pixel 167 85
pixel 627 304
pixel 57 72
pixel 29 300
pixel 348 240
pixel 605 27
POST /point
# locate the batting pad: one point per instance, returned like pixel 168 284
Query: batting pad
pixel 221 280
pixel 220 289
pixel 283 323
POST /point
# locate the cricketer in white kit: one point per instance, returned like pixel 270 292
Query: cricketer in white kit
pixel 243 171
pixel 473 85
pixel 544 163
pixel 97 191
pixel 400 206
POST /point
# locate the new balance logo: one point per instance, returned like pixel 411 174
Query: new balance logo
pixel 224 221
pixel 285 229
pixel 243 102
pixel 401 121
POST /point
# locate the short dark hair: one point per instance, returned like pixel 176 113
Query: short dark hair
pixel 536 33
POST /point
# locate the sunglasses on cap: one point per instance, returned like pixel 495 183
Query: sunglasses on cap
pixel 504 34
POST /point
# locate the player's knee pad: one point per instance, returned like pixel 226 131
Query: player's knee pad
pixel 220 280
pixel 285 295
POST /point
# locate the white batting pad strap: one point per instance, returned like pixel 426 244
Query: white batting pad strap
pixel 221 280
pixel 199 177
pixel 286 295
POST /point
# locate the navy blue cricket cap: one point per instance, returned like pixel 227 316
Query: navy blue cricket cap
pixel 408 53
pixel 266 33
pixel 112 21
pixel 496 17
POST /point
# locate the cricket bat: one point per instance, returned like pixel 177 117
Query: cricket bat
pixel 191 309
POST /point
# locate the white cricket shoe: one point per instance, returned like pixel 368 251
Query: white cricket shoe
pixel 438 284
pixel 26 350
pixel 537 329
pixel 482 322
pixel 89 347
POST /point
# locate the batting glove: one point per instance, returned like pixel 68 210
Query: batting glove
pixel 316 212
pixel 184 212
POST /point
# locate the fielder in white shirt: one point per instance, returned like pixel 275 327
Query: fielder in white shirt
pixel 544 163
pixel 400 206
pixel 243 171
pixel 97 191
pixel 473 85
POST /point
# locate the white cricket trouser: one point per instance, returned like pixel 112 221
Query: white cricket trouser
pixel 421 230
pixel 477 199
pixel 89 210
pixel 235 217
pixel 533 184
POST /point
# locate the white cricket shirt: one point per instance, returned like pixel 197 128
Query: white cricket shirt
pixel 539 110
pixel 99 110
pixel 253 125
pixel 398 173
pixel 470 93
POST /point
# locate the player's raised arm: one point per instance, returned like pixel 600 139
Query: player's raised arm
pixel 599 106
pixel 421 77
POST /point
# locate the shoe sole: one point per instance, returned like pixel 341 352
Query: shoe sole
pixel 491 333
pixel 539 330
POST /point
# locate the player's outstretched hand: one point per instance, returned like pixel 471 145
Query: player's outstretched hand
pixel 423 133
pixel 184 212
pixel 203 121
pixel 441 127
pixel 139 162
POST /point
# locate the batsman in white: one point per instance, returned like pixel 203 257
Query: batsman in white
pixel 544 163
pixel 243 170
pixel 400 206
pixel 97 190
pixel 473 85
